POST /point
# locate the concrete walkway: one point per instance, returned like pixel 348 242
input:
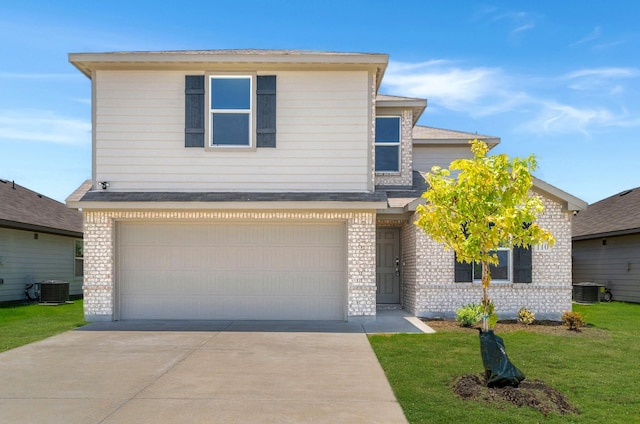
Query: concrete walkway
pixel 202 372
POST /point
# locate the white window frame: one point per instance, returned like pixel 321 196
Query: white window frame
pixel 509 269
pixel 391 144
pixel 77 258
pixel 210 111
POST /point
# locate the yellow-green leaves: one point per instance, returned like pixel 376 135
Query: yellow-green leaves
pixel 488 205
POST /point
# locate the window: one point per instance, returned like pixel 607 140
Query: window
pixel 79 258
pixel 515 265
pixel 501 271
pixel 387 144
pixel 230 111
pixel 230 120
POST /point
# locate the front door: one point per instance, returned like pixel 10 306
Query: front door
pixel 388 265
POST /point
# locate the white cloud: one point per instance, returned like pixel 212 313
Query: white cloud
pixel 524 27
pixel 479 91
pixel 601 79
pixel 558 118
pixel 605 73
pixel 451 87
pixel 533 104
pixel 43 127
pixel 593 35
pixel 517 21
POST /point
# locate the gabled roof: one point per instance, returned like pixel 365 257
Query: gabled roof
pixel 435 136
pixel 23 209
pixel 615 215
pixel 417 105
pixel 238 59
pixel 409 199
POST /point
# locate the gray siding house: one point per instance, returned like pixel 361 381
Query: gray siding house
pixel 277 184
pixel 40 239
pixel 606 245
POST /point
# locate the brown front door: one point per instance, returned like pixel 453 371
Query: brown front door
pixel 388 265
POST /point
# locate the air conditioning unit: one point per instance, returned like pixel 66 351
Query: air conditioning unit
pixel 52 291
pixel 586 292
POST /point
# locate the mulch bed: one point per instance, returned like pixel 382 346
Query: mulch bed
pixel 530 393
pixel 507 326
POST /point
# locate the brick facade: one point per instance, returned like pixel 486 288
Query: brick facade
pixel 430 290
pixel 100 248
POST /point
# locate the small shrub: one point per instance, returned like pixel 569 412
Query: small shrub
pixel 573 320
pixel 469 315
pixel 492 320
pixel 526 317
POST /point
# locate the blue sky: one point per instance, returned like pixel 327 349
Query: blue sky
pixel 559 79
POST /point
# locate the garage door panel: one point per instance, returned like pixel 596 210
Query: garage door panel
pixel 230 283
pixel 232 271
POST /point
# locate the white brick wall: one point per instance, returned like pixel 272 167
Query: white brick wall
pixel 99 285
pixel 437 295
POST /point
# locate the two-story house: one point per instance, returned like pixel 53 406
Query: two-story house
pixel 272 184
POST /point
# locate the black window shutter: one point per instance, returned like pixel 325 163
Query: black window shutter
pixel 522 265
pixel 463 272
pixel 194 111
pixel 266 111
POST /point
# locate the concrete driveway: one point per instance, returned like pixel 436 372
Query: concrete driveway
pixel 198 372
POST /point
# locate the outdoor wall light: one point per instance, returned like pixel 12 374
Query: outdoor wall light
pixel 104 184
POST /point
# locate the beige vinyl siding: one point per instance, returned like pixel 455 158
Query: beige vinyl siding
pixel 426 157
pixel 24 259
pixel 615 265
pixel 322 136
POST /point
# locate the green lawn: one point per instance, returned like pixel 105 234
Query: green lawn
pixel 23 324
pixel 598 372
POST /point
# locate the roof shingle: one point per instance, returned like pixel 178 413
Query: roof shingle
pixel 616 214
pixel 26 209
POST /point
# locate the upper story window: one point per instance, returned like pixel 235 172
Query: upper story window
pixel 230 120
pixel 387 144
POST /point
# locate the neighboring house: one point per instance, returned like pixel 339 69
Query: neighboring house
pixel 606 245
pixel 267 184
pixel 40 239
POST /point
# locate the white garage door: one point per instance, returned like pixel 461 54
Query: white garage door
pixel 231 271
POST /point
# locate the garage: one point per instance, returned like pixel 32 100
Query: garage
pixel 231 271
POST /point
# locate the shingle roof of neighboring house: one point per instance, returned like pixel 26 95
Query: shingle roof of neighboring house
pixel 431 135
pixel 615 215
pixel 21 208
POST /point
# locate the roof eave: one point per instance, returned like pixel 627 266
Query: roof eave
pixel 39 229
pixel 238 205
pixel 86 62
pixel 572 203
pixel 606 234
pixel 491 142
pixel 418 106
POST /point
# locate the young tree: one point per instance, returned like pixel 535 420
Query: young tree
pixel 486 206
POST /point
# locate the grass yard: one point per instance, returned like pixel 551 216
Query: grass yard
pixel 598 371
pixel 23 324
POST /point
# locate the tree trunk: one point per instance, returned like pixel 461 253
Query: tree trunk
pixel 486 279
